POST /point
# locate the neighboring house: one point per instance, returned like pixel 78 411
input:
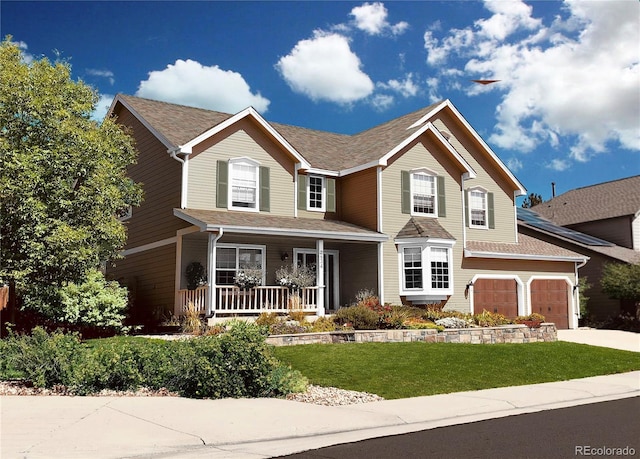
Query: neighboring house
pixel 418 209
pixel 606 218
pixel 609 211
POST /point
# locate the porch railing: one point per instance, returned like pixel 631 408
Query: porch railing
pixel 232 300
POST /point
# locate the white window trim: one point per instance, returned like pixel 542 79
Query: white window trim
pixel 262 248
pixel 246 161
pixel 431 173
pixel 425 247
pixel 479 189
pixel 324 194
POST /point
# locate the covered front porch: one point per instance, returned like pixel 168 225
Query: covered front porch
pixel 249 267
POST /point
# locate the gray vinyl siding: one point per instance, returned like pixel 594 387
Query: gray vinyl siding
pixel 242 140
pixel 489 178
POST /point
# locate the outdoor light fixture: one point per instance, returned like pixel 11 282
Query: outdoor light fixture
pixel 284 256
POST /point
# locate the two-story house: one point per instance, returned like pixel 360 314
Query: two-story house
pixel 418 209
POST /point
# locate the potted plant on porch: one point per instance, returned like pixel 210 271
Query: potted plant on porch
pixel 248 278
pixel 196 275
pixel 532 320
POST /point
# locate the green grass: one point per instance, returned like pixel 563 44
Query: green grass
pixel 400 370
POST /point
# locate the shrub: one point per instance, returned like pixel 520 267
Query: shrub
pixel 323 324
pixel 191 322
pixel 421 324
pixel 396 317
pixel 267 319
pixel 359 317
pixel 490 319
pixel 95 303
pixel 287 328
pixel 297 315
pixel 42 358
pixel 452 322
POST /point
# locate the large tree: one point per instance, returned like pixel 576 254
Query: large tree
pixel 63 180
pixel 622 281
pixel 532 200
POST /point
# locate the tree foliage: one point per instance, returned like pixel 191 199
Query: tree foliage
pixel 621 281
pixel 532 200
pixel 63 180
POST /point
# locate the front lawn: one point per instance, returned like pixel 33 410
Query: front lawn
pixel 400 370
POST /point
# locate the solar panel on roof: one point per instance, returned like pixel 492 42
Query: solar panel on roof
pixel 533 219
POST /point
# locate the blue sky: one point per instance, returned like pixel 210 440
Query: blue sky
pixel 566 108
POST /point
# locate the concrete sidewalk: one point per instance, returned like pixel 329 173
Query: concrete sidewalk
pixel 166 427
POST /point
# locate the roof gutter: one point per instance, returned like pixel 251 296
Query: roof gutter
pixel 522 256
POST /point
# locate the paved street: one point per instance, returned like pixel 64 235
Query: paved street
pixel 553 434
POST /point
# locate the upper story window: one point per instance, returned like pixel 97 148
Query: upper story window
pixel 423 193
pixel 316 193
pixel 244 184
pixel 479 211
pixel 478 208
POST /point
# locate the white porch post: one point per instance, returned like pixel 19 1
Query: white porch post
pixel 211 271
pixel 320 277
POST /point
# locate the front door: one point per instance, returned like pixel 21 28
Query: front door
pixel 308 257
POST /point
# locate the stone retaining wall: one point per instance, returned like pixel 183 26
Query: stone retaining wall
pixel 487 335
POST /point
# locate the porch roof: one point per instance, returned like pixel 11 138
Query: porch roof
pixel 262 224
pixel 527 248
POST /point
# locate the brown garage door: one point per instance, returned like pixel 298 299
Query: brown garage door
pixel 550 298
pixel 496 295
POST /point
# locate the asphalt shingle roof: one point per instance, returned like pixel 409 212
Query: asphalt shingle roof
pixel 526 245
pixel 424 227
pixel 596 202
pixel 323 150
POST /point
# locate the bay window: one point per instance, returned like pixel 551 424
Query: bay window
pixel 425 270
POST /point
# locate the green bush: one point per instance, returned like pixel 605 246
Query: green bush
pixel 237 363
pixel 323 324
pixel 490 319
pixel 44 359
pixel 359 317
pixel 95 303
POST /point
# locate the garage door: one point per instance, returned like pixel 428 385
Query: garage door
pixel 550 297
pixel 496 295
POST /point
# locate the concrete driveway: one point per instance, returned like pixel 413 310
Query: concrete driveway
pixel 616 339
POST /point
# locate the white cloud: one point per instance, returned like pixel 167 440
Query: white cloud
pixel 102 107
pixel 381 102
pixel 514 164
pixel 191 83
pixel 102 74
pixel 372 19
pixel 558 165
pixel 325 68
pixel 576 79
pixel 405 88
pixel 27 57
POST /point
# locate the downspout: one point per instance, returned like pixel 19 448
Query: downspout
pixel 380 244
pixel 464 225
pixel 185 169
pixel 576 289
pixel 211 271
pixel 295 190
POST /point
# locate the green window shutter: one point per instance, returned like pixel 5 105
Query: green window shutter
pixel 331 195
pixel 405 184
pixel 264 189
pixel 466 208
pixel 490 211
pixel 222 183
pixel 302 192
pixel 442 205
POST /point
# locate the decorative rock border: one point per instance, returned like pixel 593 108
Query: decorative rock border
pixel 487 335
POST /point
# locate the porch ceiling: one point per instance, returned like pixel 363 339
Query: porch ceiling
pixel 260 223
